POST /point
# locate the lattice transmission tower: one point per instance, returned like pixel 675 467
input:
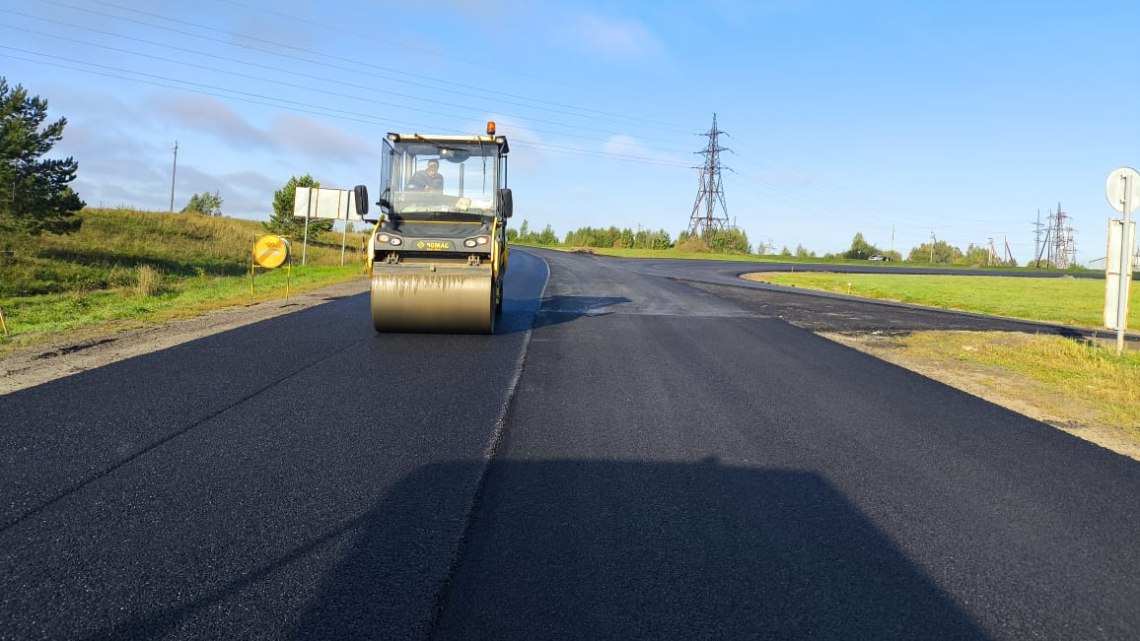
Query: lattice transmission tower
pixel 1060 247
pixel 710 191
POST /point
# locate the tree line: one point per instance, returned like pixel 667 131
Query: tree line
pixel 729 241
pixel 938 252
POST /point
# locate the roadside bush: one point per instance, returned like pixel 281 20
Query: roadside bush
pixel 693 245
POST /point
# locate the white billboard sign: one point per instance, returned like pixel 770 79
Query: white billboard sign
pixel 318 202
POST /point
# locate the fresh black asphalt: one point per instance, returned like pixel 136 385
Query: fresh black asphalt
pixel 661 456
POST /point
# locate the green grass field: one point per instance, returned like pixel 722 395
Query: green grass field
pixel 1070 301
pixel 128 265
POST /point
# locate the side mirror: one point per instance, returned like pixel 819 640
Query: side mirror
pixel 508 202
pixel 360 193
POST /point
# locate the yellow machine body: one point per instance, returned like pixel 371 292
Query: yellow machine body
pixel 438 254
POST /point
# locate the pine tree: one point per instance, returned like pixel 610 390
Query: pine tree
pixel 35 196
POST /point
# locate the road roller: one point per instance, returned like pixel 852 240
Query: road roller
pixel 438 252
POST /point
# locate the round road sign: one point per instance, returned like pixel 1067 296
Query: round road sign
pixel 271 251
pixel 1114 189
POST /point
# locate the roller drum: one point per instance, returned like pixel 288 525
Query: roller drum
pixel 457 300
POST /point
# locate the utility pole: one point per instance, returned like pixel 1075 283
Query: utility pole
pixel 173 173
pixel 709 191
pixel 933 239
pixel 1052 233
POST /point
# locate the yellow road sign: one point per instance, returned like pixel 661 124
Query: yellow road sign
pixel 271 251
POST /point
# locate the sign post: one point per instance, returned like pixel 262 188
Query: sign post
pixel 344 231
pixel 1119 189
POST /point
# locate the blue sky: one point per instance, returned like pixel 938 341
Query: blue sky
pixel 961 119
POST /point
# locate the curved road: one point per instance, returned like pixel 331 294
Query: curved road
pixel 642 451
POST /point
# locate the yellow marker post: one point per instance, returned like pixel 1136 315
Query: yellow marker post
pixel 3 323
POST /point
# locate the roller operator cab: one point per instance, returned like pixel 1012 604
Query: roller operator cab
pixel 438 252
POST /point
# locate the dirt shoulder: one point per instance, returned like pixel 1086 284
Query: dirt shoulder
pixel 25 367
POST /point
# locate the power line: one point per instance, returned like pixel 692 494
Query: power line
pixel 294 85
pixel 396 75
pixel 481 65
pixel 301 107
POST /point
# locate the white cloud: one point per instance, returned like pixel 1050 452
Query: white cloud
pixel 211 116
pixel 314 138
pixel 116 165
pixel 620 38
pixel 623 145
pixel 245 194
pixel 630 147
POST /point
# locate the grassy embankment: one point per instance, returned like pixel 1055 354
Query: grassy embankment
pixel 128 267
pixel 1076 382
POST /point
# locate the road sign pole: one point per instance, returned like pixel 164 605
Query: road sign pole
pixel 305 246
pixel 344 231
pixel 1125 264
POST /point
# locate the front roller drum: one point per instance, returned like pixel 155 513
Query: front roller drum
pixel 446 300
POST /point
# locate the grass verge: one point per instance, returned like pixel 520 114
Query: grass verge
pixel 32 319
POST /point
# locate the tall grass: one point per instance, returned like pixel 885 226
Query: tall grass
pixel 148 281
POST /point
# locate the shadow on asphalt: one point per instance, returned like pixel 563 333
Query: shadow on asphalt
pixel 621 550
pixel 595 550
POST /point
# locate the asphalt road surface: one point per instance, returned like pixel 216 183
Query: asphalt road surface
pixel 641 451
